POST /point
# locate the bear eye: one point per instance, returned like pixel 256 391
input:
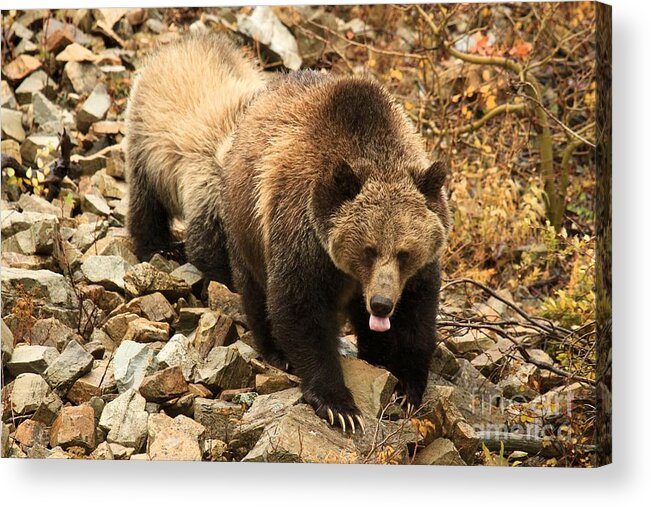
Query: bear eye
pixel 403 257
pixel 370 254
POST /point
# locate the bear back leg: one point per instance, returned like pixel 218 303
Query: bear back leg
pixel 206 248
pixel 148 221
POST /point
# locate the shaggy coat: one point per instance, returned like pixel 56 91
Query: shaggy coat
pixel 324 194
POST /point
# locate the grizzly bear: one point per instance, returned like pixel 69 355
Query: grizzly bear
pixel 324 195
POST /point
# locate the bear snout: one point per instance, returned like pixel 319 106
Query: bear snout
pixel 381 306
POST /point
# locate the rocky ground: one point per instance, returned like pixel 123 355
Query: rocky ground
pixel 104 357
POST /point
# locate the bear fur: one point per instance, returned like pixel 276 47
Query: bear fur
pixel 324 196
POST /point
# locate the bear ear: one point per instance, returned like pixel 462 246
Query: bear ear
pixel 431 180
pixel 334 188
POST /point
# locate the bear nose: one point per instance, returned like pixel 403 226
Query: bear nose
pixel 381 306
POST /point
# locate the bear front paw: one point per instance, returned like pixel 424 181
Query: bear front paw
pixel 338 409
pixel 409 396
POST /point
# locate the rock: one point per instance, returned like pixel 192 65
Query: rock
pixel 144 279
pixel 38 239
pixel 115 328
pixel 495 357
pixel 153 307
pixel 31 359
pixel 111 245
pixel 105 270
pixel 440 452
pixel 32 395
pixel 82 77
pixel 30 433
pixel 177 352
pixel 131 363
pixel 144 331
pixel 224 368
pixel 471 380
pixel 38 82
pixel 95 203
pixel 188 319
pixel 443 362
pixel 51 293
pixel 521 385
pixel 7 347
pixel 52 333
pixel 32 145
pixel 370 386
pixel 263 26
pixel 7 98
pixel 4 438
pixel 161 263
pixel 120 452
pixel 36 204
pixel 58 453
pixel 189 274
pixel 246 351
pixel 76 53
pixel 264 410
pixel 471 341
pixel 164 385
pixel 108 186
pixel 59 39
pixel 90 164
pixel 46 112
pixel 114 162
pixel 220 418
pixel 266 383
pixel 174 439
pixel 97 382
pixel 95 108
pixel 75 426
pixel 88 234
pixel 95 349
pixel 108 128
pixel 136 17
pixel 125 420
pixel 300 436
pixel 73 363
pixel 213 330
pixel 155 25
pixel 102 452
pixel 227 302
pixel 21 67
pixel 12 125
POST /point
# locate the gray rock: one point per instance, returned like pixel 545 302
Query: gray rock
pixel 46 112
pixel 174 439
pixel 265 27
pixel 86 234
pixel 440 452
pixel 95 108
pixel 164 385
pixel 120 452
pixel 300 436
pixel 246 351
pixel 108 186
pixel 32 395
pixel 12 124
pixel 7 337
pixel 264 410
pixel 125 420
pixel 105 270
pixel 224 368
pixel 102 452
pixel 444 362
pixel 177 352
pixel 52 333
pixel 82 77
pixel 94 203
pixel 48 289
pixel 36 204
pixel 31 359
pixel 131 363
pixel 188 273
pixel 38 82
pixel 37 239
pixel 7 98
pixel 471 341
pixel 115 328
pixel 220 418
pixel 144 279
pixel 73 363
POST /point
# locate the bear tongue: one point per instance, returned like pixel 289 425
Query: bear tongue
pixel 379 324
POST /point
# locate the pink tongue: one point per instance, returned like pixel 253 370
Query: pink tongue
pixel 379 324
